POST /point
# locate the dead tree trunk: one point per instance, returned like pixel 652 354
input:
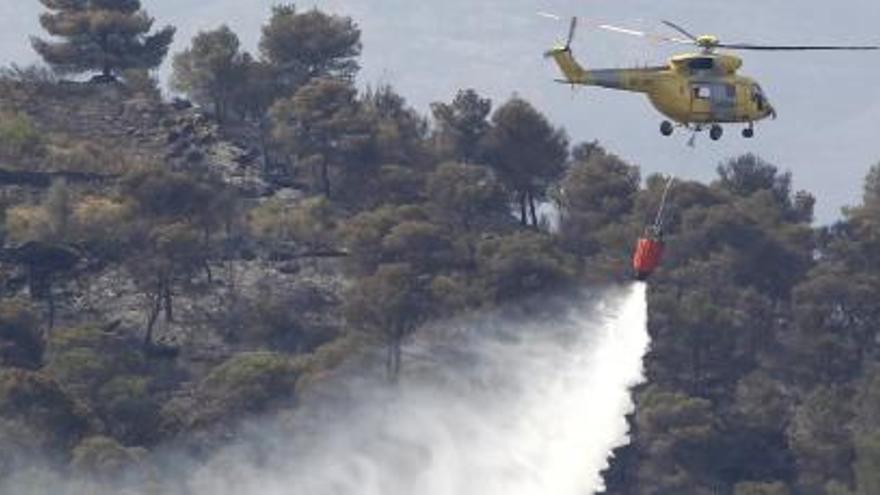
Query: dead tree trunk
pixel 395 346
pixel 153 314
pixel 325 178
pixel 166 300
pixel 533 210
pixel 50 299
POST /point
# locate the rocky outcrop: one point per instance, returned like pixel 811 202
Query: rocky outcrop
pixel 146 130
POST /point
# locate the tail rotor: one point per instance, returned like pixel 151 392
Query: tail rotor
pixel 561 53
pixel 571 32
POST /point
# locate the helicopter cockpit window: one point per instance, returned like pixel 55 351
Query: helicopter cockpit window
pixel 758 96
pixel 702 63
pixel 702 92
pixel 730 90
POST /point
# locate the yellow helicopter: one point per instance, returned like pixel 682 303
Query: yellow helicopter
pixel 695 90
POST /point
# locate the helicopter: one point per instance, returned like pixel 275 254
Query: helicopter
pixel 693 90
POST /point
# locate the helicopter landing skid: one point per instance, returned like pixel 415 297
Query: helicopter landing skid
pixel 715 131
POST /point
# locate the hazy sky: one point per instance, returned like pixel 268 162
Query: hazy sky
pixel 829 104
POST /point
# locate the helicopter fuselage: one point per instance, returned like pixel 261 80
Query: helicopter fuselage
pixel 692 90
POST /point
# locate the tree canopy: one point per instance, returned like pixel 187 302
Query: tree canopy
pixel 528 153
pixel 105 35
pixel 162 301
pixel 213 70
pixel 301 46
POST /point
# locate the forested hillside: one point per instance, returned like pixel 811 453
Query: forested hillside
pixel 173 267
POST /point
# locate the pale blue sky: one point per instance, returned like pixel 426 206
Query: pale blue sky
pixel 829 104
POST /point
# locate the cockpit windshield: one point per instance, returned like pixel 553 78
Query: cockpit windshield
pixel 758 96
pixel 701 63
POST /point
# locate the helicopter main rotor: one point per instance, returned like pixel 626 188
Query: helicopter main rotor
pixel 709 43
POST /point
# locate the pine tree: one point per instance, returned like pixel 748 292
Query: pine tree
pixel 462 124
pixel 308 45
pixel 213 70
pixel 106 35
pixel 323 125
pixel 527 152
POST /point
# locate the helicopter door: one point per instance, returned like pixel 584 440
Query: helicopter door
pixel 701 101
pixel 713 102
pixel 724 102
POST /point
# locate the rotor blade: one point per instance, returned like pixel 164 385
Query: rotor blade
pixel 746 46
pixel 641 34
pixel 548 15
pixel 571 31
pixel 680 30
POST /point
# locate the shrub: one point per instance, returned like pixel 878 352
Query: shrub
pixel 310 222
pixel 105 460
pixel 249 383
pixel 21 344
pixel 18 136
pixel 39 403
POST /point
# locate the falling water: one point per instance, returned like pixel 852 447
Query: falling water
pixel 506 405
pixel 526 401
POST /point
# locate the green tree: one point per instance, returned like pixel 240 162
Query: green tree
pixel 425 246
pixel 836 318
pixel 21 345
pixel 168 254
pixel 203 201
pixel 258 91
pixel 756 488
pixel 45 233
pixel 108 372
pixel 19 137
pixel 399 185
pixel 748 174
pixel 308 45
pixel 820 439
pixel 245 384
pixel 681 434
pixel 400 132
pixel 867 464
pixel 462 125
pixel 323 126
pixel 522 264
pixel 871 188
pixel 48 222
pixel 170 236
pixel 390 304
pixel 866 434
pixel 528 153
pixel 106 35
pixel 364 234
pixel 105 461
pixel 129 406
pixel 763 403
pixel 598 189
pixel 212 70
pixel 311 222
pixel 465 194
pixel 41 405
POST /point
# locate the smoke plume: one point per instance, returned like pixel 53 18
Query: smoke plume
pixel 527 401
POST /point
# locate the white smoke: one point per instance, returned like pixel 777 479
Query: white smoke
pixel 529 401
pixel 526 407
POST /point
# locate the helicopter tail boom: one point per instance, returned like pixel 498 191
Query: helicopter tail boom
pixel 573 71
pixel 636 80
pixel 561 54
pixel 623 79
